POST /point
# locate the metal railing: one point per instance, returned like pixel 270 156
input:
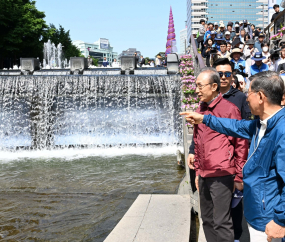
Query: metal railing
pixel 199 62
pixel 273 27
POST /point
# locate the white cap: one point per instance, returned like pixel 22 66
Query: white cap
pixel 240 78
pixel 216 23
pixel 240 22
pixel 222 25
pixel 227 32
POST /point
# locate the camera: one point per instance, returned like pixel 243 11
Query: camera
pixel 240 71
pixel 274 53
pixel 213 50
pixel 237 28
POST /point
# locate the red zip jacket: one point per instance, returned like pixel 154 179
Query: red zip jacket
pixel 217 154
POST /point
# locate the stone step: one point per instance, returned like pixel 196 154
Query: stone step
pixel 155 218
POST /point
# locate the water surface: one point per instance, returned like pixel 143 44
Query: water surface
pixel 78 195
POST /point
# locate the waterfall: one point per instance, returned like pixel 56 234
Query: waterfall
pixel 49 111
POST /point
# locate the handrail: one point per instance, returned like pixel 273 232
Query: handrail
pixel 197 55
pixel 280 15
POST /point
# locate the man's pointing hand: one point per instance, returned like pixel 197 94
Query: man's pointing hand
pixel 193 118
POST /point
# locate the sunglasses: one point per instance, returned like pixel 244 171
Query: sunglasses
pixel 227 73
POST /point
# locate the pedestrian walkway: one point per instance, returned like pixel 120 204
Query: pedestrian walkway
pixel 155 218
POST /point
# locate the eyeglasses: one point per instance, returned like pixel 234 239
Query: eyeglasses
pixel 227 73
pixel 249 93
pixel 200 87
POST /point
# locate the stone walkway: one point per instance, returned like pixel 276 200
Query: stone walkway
pixel 155 218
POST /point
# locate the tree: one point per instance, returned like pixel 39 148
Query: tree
pixel 95 61
pixel 22 29
pixel 147 59
pixel 23 32
pixel 162 54
pixel 61 36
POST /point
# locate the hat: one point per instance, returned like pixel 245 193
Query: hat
pixel 240 22
pixel 235 50
pixel 236 42
pixel 222 25
pixel 261 35
pixel 250 42
pixel 219 37
pixel 258 56
pixel 202 20
pixel 213 32
pixel 230 23
pixel 227 32
pixel 236 22
pixel 245 21
pixel 237 196
pixel 216 23
pixel 221 22
pixel 275 6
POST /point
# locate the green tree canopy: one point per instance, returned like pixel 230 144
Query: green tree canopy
pixel 22 29
pixel 23 32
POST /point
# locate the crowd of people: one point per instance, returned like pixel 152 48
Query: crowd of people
pixel 243 44
pixel 238 142
pixel 140 61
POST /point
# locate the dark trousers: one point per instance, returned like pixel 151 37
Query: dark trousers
pixel 237 216
pixel 215 204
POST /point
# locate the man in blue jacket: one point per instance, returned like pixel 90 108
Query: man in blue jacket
pixel 208 32
pixel 264 172
pixel 258 66
pixel 105 62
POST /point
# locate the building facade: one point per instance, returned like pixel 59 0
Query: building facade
pixel 129 52
pixel 183 41
pixel 98 50
pixel 255 11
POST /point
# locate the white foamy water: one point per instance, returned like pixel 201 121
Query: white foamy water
pixel 77 153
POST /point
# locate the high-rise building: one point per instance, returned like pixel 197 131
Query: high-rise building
pixel 255 11
pixel 183 41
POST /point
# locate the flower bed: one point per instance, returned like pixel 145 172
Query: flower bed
pixel 189 101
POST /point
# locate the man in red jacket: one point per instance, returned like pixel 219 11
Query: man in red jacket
pixel 219 160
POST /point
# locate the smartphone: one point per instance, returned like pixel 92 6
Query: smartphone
pixel 237 29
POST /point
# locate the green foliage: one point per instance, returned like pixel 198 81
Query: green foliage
pixel 23 32
pixel 162 54
pixel 147 59
pixel 22 28
pixel 95 61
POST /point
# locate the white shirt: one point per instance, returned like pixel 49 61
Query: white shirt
pixel 274 67
pixel 264 126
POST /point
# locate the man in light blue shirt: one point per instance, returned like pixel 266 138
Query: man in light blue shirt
pixel 258 66
pixel 258 43
pixel 208 32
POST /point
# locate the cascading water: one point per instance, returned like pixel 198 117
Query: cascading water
pixel 47 111
pixel 118 119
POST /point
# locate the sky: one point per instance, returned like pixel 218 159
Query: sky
pixel 126 23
